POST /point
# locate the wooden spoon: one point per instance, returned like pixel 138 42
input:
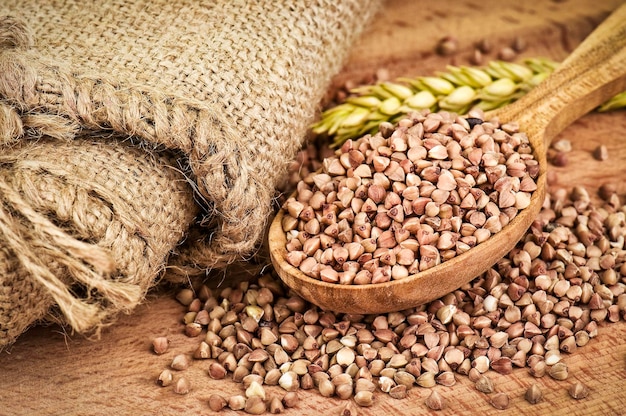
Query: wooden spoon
pixel 592 74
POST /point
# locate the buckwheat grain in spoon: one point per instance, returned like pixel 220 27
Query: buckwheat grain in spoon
pixel 406 216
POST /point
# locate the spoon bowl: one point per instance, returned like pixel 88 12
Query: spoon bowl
pixel 592 74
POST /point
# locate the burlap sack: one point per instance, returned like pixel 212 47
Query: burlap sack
pixel 230 87
pixel 232 84
pixel 86 226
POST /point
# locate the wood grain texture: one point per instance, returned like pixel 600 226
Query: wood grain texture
pixel 49 373
pixel 403 36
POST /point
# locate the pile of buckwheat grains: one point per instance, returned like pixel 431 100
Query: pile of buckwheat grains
pixel 534 307
pixel 408 198
pixel 531 310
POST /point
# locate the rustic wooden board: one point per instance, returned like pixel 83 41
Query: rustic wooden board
pixel 50 373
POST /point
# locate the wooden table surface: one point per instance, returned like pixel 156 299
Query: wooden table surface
pixel 47 372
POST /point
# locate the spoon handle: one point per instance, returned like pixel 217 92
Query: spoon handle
pixel 593 73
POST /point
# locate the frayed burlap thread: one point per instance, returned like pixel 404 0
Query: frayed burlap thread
pixel 86 227
pixel 232 84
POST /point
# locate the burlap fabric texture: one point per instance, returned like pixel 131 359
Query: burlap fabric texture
pixel 232 84
pixel 85 226
pixel 230 87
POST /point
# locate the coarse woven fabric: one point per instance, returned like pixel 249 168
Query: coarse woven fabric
pixel 232 84
pixel 86 227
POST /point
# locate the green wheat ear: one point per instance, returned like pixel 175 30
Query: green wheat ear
pixel 615 103
pixel 457 90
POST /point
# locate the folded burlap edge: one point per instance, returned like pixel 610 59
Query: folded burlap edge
pixel 77 245
pixel 39 95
